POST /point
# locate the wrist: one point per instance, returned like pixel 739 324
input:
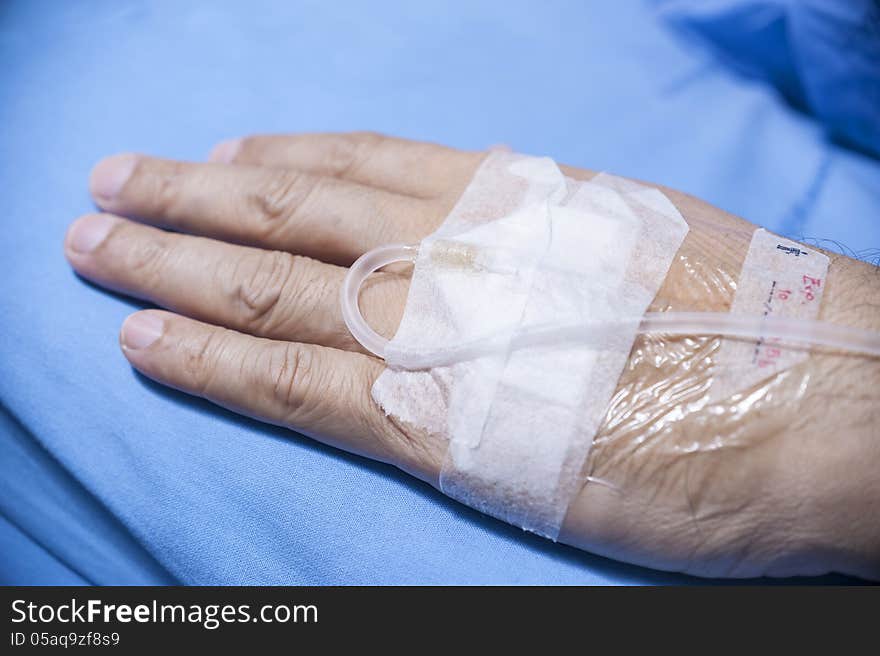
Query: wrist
pixel 842 406
pixel 778 479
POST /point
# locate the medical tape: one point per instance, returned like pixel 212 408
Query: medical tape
pixel 780 278
pixel 525 246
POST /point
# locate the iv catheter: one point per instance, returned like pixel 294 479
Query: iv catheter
pixel 788 330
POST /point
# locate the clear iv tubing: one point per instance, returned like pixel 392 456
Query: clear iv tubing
pixel 799 331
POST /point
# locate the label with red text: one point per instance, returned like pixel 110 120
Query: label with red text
pixel 780 278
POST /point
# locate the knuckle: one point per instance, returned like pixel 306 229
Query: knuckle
pixel 291 370
pixel 167 186
pixel 382 215
pixel 259 292
pixel 145 257
pixel 249 145
pixel 414 449
pixel 348 152
pixel 200 361
pixel 281 199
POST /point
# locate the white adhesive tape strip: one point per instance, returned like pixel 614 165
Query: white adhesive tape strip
pixel 524 247
pixel 779 279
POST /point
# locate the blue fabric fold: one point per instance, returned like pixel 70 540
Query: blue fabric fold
pixel 822 55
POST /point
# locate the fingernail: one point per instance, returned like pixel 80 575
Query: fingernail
pixel 110 175
pixel 225 151
pixel 87 232
pixel 141 329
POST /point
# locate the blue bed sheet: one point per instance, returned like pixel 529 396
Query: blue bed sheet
pixel 109 478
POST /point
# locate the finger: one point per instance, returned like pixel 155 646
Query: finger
pixel 322 392
pixel 322 217
pixel 406 167
pixel 267 293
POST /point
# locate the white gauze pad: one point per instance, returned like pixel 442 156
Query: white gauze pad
pixel 526 246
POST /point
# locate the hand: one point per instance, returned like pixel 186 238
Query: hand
pixel 251 268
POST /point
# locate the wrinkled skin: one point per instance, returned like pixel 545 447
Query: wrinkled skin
pixel 246 254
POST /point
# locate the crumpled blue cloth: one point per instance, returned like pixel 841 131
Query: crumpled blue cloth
pixel 106 477
pixel 822 55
